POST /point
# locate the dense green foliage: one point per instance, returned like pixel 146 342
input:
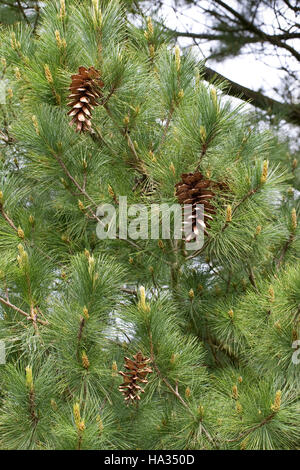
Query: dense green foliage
pixel 218 323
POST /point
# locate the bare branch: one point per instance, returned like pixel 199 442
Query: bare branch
pixel 289 112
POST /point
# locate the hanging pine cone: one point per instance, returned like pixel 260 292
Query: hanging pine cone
pixel 138 370
pixel 85 90
pixel 195 189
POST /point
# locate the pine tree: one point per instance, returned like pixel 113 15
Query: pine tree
pixel 209 335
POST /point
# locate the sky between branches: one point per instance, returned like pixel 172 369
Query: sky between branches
pixel 246 69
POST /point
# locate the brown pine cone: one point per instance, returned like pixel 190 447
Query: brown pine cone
pixel 195 189
pixel 138 370
pixel 85 90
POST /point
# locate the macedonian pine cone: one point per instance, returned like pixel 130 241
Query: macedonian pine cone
pixel 137 371
pixel 195 189
pixel 85 90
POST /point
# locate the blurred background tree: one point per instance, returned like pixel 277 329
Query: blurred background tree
pixel 12 11
pixel 265 29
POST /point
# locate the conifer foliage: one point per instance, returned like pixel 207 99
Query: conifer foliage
pixel 211 336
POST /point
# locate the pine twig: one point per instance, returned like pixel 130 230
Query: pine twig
pixel 284 250
pixel 166 128
pixel 129 291
pixel 23 12
pixel 79 335
pixel 7 218
pixel 252 278
pixel 249 194
pixel 174 391
pixel 37 17
pixel 249 431
pixel 19 310
pixel 125 134
pixel 68 174
pixel 33 415
pixel 84 193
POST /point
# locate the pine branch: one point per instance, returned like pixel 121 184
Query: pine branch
pixel 12 225
pixel 125 134
pixel 175 391
pixel 6 138
pixel 168 122
pixel 284 250
pixel 198 252
pixel 222 37
pixel 33 414
pixel 79 335
pixel 68 174
pixel 129 291
pixel 249 431
pixel 21 9
pixel 252 28
pixel 7 218
pixel 19 310
pixel 289 112
pixel 252 278
pixel 37 16
pixel 93 214
pixel 249 194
